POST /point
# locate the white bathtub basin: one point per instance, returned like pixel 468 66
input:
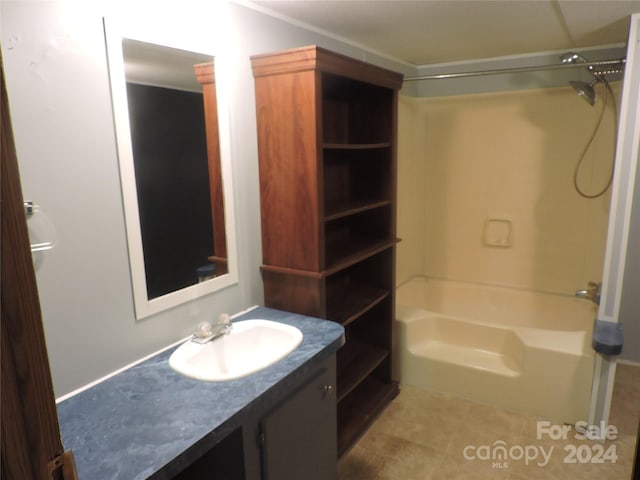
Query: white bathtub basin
pixel 521 350
pixel 252 345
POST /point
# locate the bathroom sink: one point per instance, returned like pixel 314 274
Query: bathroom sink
pixel 250 346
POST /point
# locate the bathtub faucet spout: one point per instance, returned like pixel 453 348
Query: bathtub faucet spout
pixel 592 293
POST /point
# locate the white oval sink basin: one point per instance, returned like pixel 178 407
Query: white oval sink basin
pixel 250 346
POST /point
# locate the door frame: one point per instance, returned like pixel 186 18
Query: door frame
pixel 31 443
pixel 626 165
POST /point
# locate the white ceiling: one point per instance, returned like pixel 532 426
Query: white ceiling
pixel 425 32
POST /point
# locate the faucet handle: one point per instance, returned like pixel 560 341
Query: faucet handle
pixel 204 330
pixel 223 323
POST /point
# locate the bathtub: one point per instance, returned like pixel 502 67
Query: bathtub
pixel 524 351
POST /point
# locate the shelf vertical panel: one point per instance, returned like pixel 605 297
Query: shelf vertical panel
pixel 294 291
pixel 287 147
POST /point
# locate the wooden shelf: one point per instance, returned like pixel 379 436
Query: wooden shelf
pixel 220 263
pixel 356 146
pixel 334 268
pixel 355 181
pixel 356 360
pixel 360 408
pixel 328 169
pixel 355 252
pixel 334 212
pixel 349 304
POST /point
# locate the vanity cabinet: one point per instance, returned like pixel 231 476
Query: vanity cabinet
pixel 327 156
pixel 292 437
pixel 170 426
pixel 298 437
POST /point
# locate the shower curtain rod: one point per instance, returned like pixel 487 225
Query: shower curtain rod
pixel 599 63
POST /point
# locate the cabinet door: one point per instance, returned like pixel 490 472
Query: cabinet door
pixel 300 437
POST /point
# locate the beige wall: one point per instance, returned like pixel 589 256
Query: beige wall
pixel 411 189
pixel 508 156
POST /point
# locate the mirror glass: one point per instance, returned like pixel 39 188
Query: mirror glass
pixel 173 169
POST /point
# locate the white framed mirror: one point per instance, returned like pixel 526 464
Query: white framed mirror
pixel 174 159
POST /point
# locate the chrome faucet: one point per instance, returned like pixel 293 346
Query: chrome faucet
pixel 591 293
pixel 207 332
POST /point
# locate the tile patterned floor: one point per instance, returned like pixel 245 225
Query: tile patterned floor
pixel 422 435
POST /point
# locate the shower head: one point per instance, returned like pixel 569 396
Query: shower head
pixel 585 90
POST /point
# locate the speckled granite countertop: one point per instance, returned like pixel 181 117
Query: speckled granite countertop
pixel 148 420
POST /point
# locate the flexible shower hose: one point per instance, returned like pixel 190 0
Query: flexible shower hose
pixel 607 91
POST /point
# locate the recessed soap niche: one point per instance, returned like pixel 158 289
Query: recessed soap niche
pixel 498 231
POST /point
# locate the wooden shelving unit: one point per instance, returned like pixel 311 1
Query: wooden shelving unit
pixel 327 147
